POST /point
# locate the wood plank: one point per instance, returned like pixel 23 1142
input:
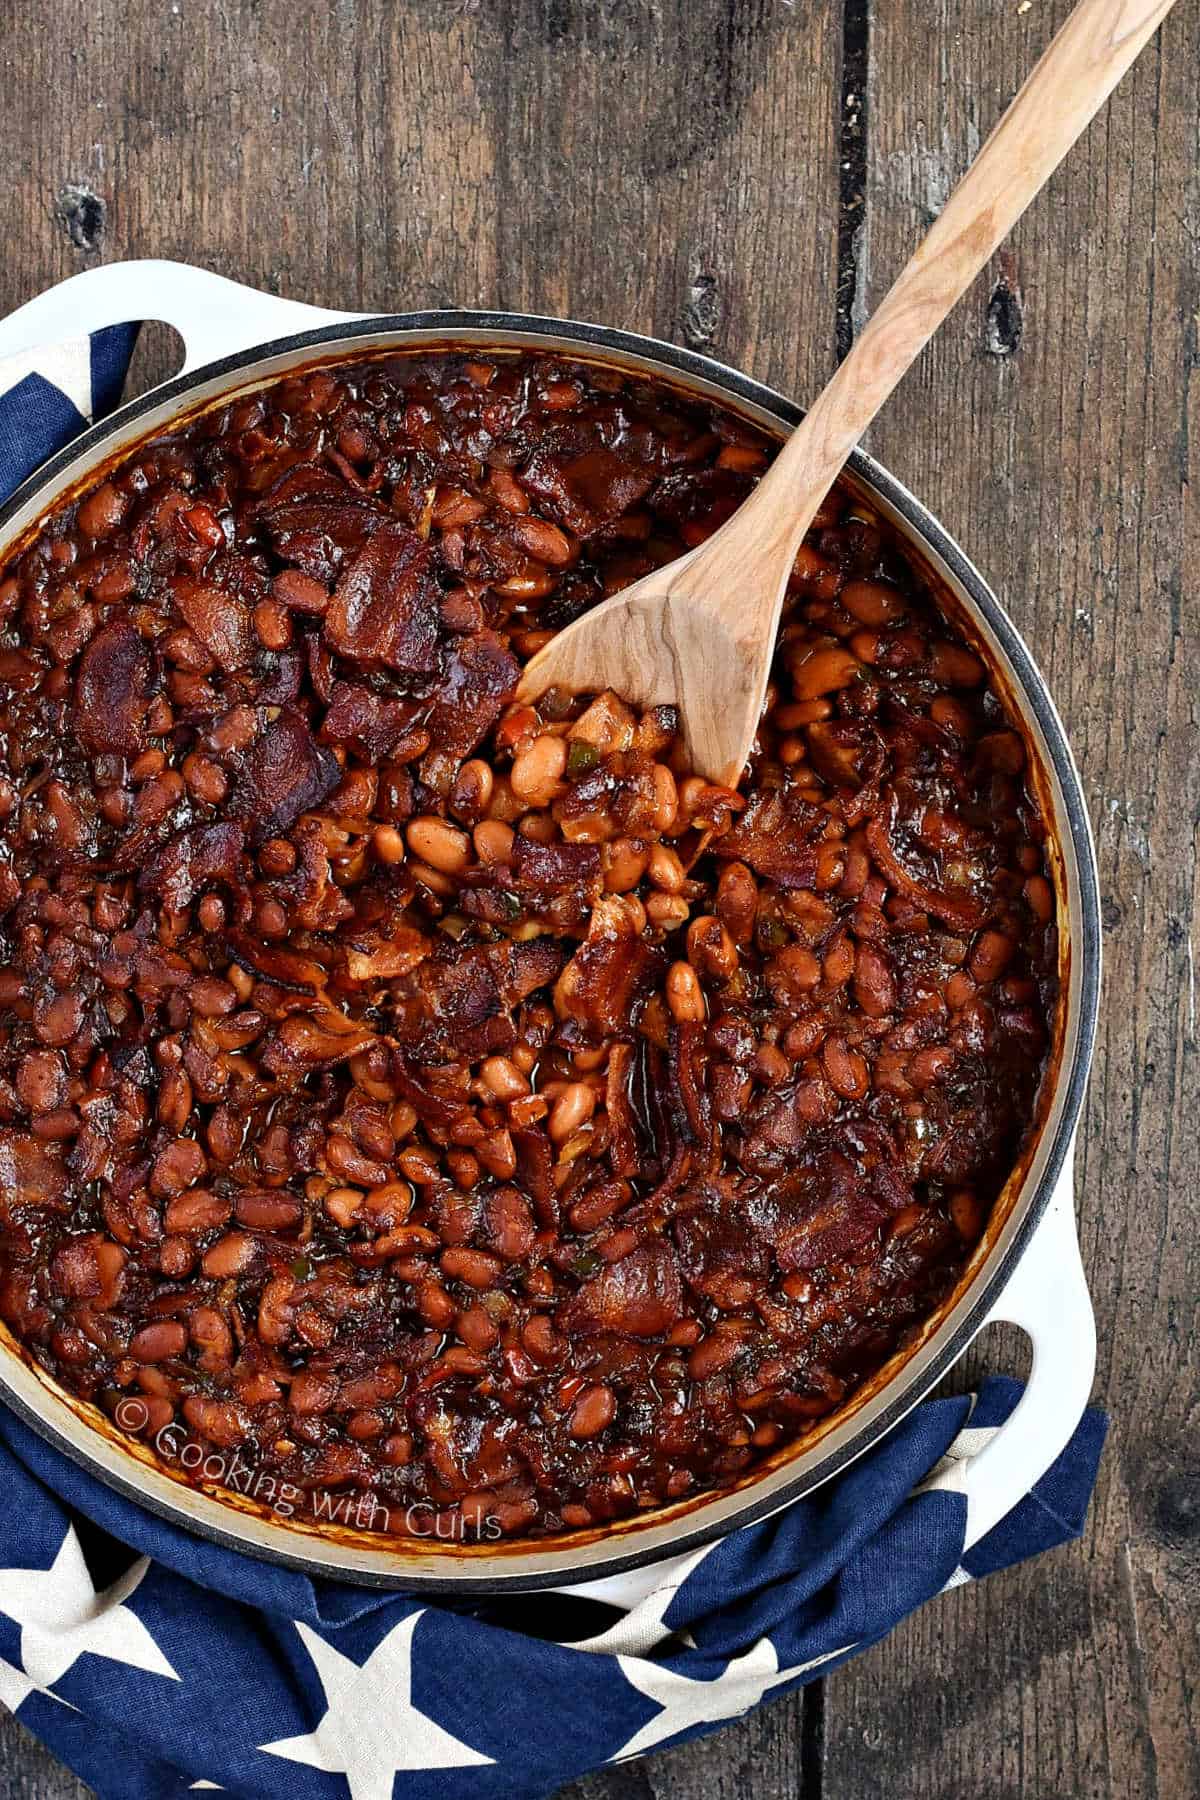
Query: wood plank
pixel 529 156
pixel 1053 425
pixel 670 168
pixel 27 1769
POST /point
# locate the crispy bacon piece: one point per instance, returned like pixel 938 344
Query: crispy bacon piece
pixel 960 911
pixel 587 491
pixel 384 610
pixel 535 1170
pixel 312 1040
pixel 31 1170
pixel 479 677
pixel 615 799
pixel 313 521
pixel 220 620
pixel 778 836
pixel 641 1296
pixel 452 1005
pixel 279 964
pixel 849 1183
pixel 609 974
pixel 193 860
pixel 848 753
pixel 113 689
pixel 373 725
pixel 723 1251
pixel 381 956
pixel 618 1105
pixel 541 870
pixel 285 773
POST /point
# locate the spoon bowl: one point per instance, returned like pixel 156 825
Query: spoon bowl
pixel 700 632
pixel 692 635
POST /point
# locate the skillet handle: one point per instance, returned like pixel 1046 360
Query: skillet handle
pixel 213 316
pixel 1047 1298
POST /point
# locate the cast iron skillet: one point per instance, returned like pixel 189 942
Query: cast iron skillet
pixel 1026 1269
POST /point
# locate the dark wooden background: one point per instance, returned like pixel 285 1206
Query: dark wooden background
pixel 745 176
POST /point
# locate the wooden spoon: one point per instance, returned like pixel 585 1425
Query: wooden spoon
pixel 700 632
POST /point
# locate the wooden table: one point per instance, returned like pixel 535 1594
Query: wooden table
pixel 744 176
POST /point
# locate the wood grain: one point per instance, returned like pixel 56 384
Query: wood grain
pixel 1053 423
pixel 668 167
pixel 700 632
pixel 29 1772
pixel 525 154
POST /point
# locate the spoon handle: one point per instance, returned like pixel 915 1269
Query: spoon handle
pixel 1070 83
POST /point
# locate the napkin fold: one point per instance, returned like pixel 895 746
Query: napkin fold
pixel 155 1663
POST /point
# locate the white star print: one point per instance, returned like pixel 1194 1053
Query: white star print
pixel 371 1730
pixel 67 367
pixel 643 1626
pixel 15 1686
pixel 62 1617
pixel 686 1702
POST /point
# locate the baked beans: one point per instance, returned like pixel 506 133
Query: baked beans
pixel 460 1102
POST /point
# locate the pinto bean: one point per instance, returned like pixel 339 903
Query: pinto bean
pixel 544 541
pixel 195 1211
pixel 991 955
pixel 666 870
pixel 872 602
pixel 823 672
pixel 685 997
pixel 510 1224
pixel 102 511
pixel 503 1077
pixel 1040 897
pixel 737 902
pixel 593 1411
pixel 874 986
pixel 59 1019
pixel 476 1330
pixel 475 1267
pixel 845 1068
pixel 268 1212
pixel 713 1354
pixel 538 770
pixel 229 1255
pixel 794 972
pixel 573 1107
pixel 439 844
pixel 210 1334
pixel 313 1391
pixel 711 950
pixel 223 1422
pixel 158 1342
pixel 41 1081
pixel 180 1166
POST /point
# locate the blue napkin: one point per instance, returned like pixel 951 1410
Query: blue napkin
pixel 156 1664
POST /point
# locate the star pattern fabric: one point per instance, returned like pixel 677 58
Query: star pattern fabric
pixel 63 1618
pixel 371 1731
pixel 195 1668
pixel 48 396
pixel 687 1702
pixel 158 1665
